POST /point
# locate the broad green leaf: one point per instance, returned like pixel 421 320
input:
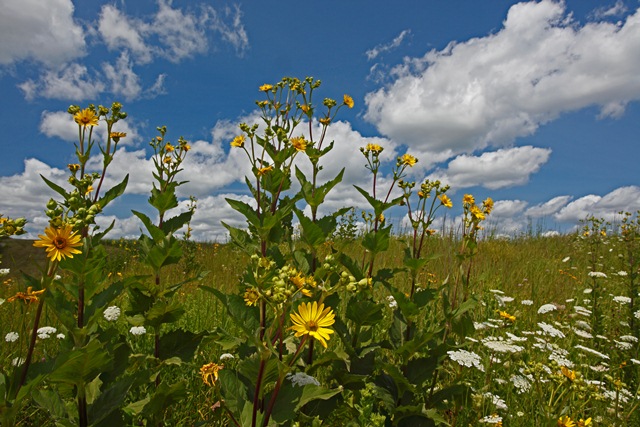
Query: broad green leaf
pixel 81 364
pixel 156 233
pixel 364 312
pixel 377 241
pixel 55 187
pixel 234 391
pixel 177 222
pixel 180 343
pixel 113 192
pixel 164 200
pixel 313 392
pixel 164 312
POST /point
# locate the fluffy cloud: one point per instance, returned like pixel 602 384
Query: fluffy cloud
pixel 549 207
pixel 490 90
pixel 493 170
pixel 625 199
pixel 43 31
pixel 120 31
pixel 381 48
pixel 72 82
pixel 60 124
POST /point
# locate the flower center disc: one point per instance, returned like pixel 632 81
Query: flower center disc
pixel 312 326
pixel 60 243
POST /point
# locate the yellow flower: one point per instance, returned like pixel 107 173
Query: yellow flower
pixel 325 120
pixel 27 297
pixel 266 88
pixel 167 159
pixel 186 147
pixel 86 117
pixel 584 423
pixel 305 108
pixel 89 190
pixel 566 421
pixel 445 200
pixel 374 148
pixel 297 280
pixel 265 170
pixel 507 316
pixel 251 296
pixel 73 167
pixel 168 148
pixel 571 375
pixel 421 194
pixel 408 160
pixel 468 199
pixel 59 242
pixel 209 373
pixel 348 101
pixel 603 233
pixel 488 205
pixel 313 320
pixel 477 213
pixel 238 141
pixel 299 143
pixel 117 135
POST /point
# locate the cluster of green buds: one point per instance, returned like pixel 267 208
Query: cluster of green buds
pixel 372 153
pixel 168 157
pixel 11 227
pixel 352 284
pixel 289 282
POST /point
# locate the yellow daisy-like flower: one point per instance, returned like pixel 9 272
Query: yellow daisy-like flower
pixel 59 242
pixel 571 375
pixel 305 108
pixel 566 421
pixel 266 88
pixel 325 120
pixel 297 280
pixel 468 199
pixel 73 167
pixel 477 213
pixel 584 423
pixel 265 170
pixel 167 159
pixel 117 135
pixel 209 373
pixel 408 160
pixel 313 320
pixel 446 201
pixel 89 190
pixel 507 316
pixel 28 297
pixel 86 117
pixel 348 101
pixel 299 143
pixel 488 205
pixel 421 194
pixel 168 148
pixel 374 148
pixel 186 147
pixel 238 141
pixel 251 296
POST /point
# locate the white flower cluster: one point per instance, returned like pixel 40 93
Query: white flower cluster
pixel 501 345
pixel 592 351
pixel 526 302
pixel 11 337
pixel 582 311
pixel 496 400
pixel 582 334
pixel 597 274
pixel 301 379
pixel 112 313
pixel 622 299
pixel 226 356
pixel 491 419
pixel 4 271
pixel 521 383
pixel 46 332
pixel 546 308
pixel 138 330
pixel 466 358
pixel 391 302
pixel 547 329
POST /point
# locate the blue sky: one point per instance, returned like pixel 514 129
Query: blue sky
pixel 534 104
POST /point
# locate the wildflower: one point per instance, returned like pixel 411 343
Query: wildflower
pixel 299 143
pixel 521 383
pixel 592 351
pixel 571 375
pixel 496 400
pixel 501 346
pixel 488 205
pixel 226 356
pixel 4 271
pixel 61 336
pixel 348 101
pixel 46 331
pixel 265 170
pixel 550 330
pixel 466 358
pixel 622 300
pixel 168 147
pixel 507 316
pixel 167 159
pixel 27 297
pixel 305 108
pixel 112 313
pixel 477 213
pixel 301 379
pixel 565 259
pixel 408 160
pixel 546 308
pixel 89 190
pixel 446 201
pixel 59 242
pixel 238 141
pixel 117 135
pixel 86 117
pixel 73 167
pixel 313 320
pixel 566 421
pixel 17 361
pixel 468 199
pixel 138 330
pixel 374 148
pixel 597 274
pixel 266 88
pixel 251 296
pixel 584 423
pixel 11 337
pixel 621 273
pixel 526 302
pixel 494 419
pixel 392 303
pixel 209 373
pixel 325 120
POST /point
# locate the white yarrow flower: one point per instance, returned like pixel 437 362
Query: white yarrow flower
pixel 226 356
pixel 547 329
pixel 11 337
pixel 526 302
pixel 301 379
pixel 61 336
pixel 546 308
pixel 112 313
pixel 391 302
pixel 597 274
pixel 466 358
pixel 622 299
pixel 46 332
pixel 138 330
pixel 565 259
pixel 4 271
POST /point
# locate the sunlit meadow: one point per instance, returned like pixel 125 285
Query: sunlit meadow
pixel 306 319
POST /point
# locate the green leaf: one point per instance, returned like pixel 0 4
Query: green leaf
pixel 156 233
pixel 164 397
pixel 113 192
pixel 180 343
pixel 364 312
pixel 51 402
pixel 164 312
pixel 246 318
pixel 234 392
pixel 313 392
pixel 177 222
pixel 55 187
pixel 240 237
pixel 245 209
pixel 164 200
pixel 377 241
pixel 81 364
pixel 311 234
